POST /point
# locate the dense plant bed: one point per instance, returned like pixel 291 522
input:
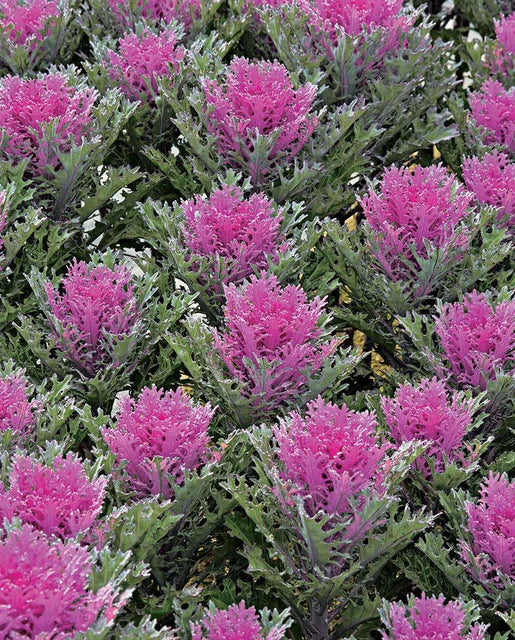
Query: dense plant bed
pixel 257 319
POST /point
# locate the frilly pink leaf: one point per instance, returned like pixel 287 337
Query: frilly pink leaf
pixel 95 302
pixel 478 339
pixel 165 424
pixel 264 321
pixel 142 59
pixel 243 231
pixel 28 106
pixel 429 412
pixel 59 499
pixel 45 587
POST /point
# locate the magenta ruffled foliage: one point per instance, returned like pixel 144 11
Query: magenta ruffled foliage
pixel 44 590
pixel 18 412
pixel 27 22
pixel 58 499
pixel 491 523
pixel 505 32
pixel 274 326
pixel 142 59
pixel 493 107
pixel 259 99
pixel 428 619
pixel 330 456
pixel 158 10
pixel 500 57
pixel 165 424
pixel 353 16
pixel 429 412
pixel 96 304
pixel 331 20
pixel 492 180
pixel 238 622
pixel 242 231
pixel 414 209
pixel 28 107
pixel 478 339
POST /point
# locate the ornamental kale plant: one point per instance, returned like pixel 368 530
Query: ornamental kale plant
pixel 429 412
pixel 18 411
pixel 241 234
pixel 272 339
pixel 257 324
pixel 37 33
pixel 493 109
pixel 321 497
pixel 142 59
pixel 502 57
pixel 57 497
pixel 491 524
pixel 431 618
pixel 28 106
pixel 59 132
pixel 335 18
pixel 96 303
pixel 478 338
pixel 159 437
pixel 45 587
pixel 239 621
pixel 26 22
pixel 414 215
pixel 492 180
pixel 330 457
pixel 505 32
pixel 260 121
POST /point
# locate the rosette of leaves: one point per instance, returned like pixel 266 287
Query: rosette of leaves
pixel 134 353
pixel 311 560
pixel 450 427
pixel 35 34
pixel 97 586
pixel 63 144
pixel 317 173
pixel 58 494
